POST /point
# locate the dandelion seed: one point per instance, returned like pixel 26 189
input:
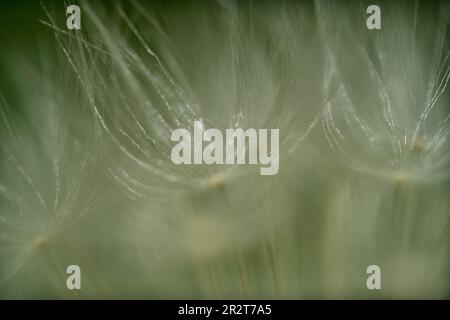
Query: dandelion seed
pixel 389 117
pixel 45 174
pixel 235 66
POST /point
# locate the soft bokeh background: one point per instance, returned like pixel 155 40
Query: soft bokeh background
pixel 69 194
